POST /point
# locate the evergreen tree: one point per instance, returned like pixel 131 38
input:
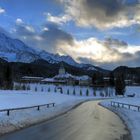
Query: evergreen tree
pixel 80 92
pixel 74 91
pixel 87 92
pixel 68 92
pixel 94 92
pixel 55 89
pixel 23 87
pixel 61 91
pixel 28 87
pixel 8 77
pixel 120 85
pixel 111 80
pixel 49 89
pixel 35 88
pixel 42 89
pixel 106 91
pixel 111 83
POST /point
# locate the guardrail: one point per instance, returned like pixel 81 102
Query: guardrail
pixel 124 105
pixel 21 108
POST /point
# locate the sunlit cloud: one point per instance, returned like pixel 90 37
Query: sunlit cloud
pixel 99 53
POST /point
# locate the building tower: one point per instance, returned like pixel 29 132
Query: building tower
pixel 62 69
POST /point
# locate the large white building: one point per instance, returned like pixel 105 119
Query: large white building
pixel 65 78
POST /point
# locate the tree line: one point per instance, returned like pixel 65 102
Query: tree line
pixel 117 82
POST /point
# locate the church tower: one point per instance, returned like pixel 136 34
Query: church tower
pixel 62 69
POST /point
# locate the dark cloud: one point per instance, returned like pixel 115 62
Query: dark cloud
pixel 110 7
pixel 45 39
pixel 22 30
pixel 111 42
pixel 102 13
pixel 54 35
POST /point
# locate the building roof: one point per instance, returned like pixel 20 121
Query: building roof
pixel 62 76
pixel 84 77
pixel 52 80
pixel 31 77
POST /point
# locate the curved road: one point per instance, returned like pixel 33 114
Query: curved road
pixel 89 121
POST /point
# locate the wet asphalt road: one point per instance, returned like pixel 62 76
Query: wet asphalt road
pixel 89 121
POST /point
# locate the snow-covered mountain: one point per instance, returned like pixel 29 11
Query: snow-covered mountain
pixel 14 50
pixel 56 58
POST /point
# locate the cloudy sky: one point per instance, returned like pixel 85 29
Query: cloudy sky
pixel 105 33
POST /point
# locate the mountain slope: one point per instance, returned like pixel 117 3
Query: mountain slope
pixel 14 50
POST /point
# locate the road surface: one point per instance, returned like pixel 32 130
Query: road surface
pixel 89 121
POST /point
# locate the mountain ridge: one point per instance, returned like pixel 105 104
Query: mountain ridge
pixel 14 50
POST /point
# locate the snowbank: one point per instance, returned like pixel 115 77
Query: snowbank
pixel 131 117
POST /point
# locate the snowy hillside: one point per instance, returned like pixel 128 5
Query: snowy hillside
pixel 14 50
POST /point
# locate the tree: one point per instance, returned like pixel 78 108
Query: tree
pixel 106 91
pixel 49 89
pixel 74 91
pixel 111 80
pixel 120 85
pixel 8 77
pixel 61 90
pixel 28 87
pixel 35 88
pixel 23 87
pixel 94 92
pixel 55 90
pixel 87 92
pixel 42 89
pixel 80 92
pixel 97 79
pixel 68 92
pixel 111 83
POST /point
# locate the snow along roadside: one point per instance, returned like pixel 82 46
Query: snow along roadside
pixel 22 119
pixel 130 117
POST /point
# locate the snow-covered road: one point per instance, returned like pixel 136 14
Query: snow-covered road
pixel 87 122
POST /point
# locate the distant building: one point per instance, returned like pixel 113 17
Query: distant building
pixel 62 69
pixel 31 79
pixel 84 80
pixel 106 80
pixel 65 78
pixel 128 81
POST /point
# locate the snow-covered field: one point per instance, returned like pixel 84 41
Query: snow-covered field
pixel 20 119
pixel 39 94
pixel 65 89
